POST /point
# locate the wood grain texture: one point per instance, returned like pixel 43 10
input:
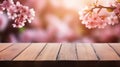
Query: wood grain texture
pixel 58 51
pixel 105 52
pixel 31 52
pixel 116 47
pixel 67 52
pixel 85 52
pixel 4 45
pixel 13 51
pixel 50 52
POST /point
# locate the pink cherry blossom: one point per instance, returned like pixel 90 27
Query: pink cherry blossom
pixel 113 20
pixel 99 16
pixel 17 12
pixel 93 20
pixel 1 9
pixel 5 5
pixel 117 9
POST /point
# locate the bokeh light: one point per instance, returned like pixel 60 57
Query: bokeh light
pixel 58 21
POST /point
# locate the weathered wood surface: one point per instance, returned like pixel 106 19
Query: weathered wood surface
pixel 59 51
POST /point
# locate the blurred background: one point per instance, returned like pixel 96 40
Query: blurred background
pixel 57 21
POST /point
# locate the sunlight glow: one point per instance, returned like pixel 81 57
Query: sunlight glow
pixel 71 4
pixel 79 4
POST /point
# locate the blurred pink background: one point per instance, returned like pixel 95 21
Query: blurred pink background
pixel 57 21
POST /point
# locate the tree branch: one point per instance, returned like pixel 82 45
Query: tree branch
pixel 101 7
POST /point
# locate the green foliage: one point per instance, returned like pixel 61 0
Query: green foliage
pixel 21 29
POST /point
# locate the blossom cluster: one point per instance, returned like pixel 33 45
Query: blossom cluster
pixel 17 12
pixel 99 16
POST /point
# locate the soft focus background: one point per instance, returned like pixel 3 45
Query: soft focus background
pixel 57 21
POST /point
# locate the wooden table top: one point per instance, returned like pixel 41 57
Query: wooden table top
pixel 59 51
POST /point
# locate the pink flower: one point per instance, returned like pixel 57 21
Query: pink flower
pixel 7 3
pixel 113 20
pixel 21 14
pixel 93 20
pixel 1 9
pixel 117 9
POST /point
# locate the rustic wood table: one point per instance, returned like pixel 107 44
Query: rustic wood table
pixel 59 51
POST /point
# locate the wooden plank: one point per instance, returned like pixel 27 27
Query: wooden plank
pixel 31 52
pixel 105 52
pixel 116 47
pixel 85 52
pixel 49 52
pixel 4 45
pixel 67 52
pixel 13 51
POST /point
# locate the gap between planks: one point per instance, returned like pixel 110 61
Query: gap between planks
pixel 67 52
pixel 31 52
pixel 4 46
pixel 86 52
pixel 116 47
pixel 105 52
pixel 50 52
pixel 11 52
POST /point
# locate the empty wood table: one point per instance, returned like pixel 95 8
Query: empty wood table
pixel 59 51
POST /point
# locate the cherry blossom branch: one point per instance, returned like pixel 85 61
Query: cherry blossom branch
pixel 17 12
pixel 101 18
pixel 101 7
